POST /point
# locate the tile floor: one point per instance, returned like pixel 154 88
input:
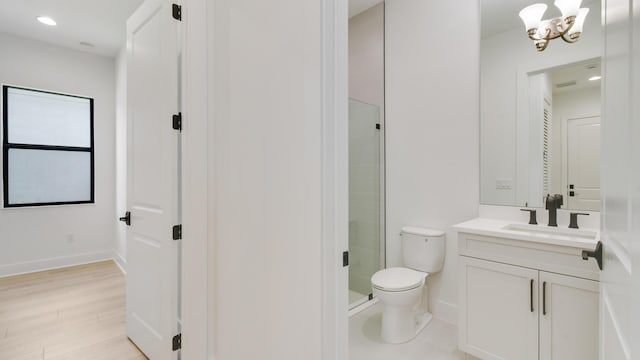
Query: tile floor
pixel 438 341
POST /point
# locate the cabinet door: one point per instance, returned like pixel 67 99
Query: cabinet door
pixel 498 310
pixel 568 318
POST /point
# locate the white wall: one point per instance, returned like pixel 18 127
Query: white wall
pixel 432 128
pixel 44 237
pixel 503 57
pixel 366 56
pixel 121 155
pixel 266 181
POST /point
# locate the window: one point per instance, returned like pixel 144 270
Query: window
pixel 48 149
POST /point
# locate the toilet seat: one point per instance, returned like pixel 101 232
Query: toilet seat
pixel 398 279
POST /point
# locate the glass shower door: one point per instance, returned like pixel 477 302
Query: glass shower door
pixel 365 198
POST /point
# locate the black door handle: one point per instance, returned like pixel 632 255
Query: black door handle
pixel 597 254
pixel 126 218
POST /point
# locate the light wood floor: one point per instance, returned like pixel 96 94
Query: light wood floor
pixel 76 313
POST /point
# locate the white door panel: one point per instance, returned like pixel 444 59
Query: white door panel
pixel 499 319
pixel 568 318
pixel 152 289
pixel 619 330
pixel 583 163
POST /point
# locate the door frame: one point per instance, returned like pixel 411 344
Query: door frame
pixel 195 312
pixel 198 243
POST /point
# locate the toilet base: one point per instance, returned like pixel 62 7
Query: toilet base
pixel 401 328
pixel 423 320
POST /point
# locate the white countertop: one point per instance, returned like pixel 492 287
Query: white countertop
pixel 583 238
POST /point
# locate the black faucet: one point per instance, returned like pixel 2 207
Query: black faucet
pixel 553 203
pixel 532 216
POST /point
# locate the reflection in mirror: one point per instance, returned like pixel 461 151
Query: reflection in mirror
pixel 539 112
pixel 366 146
pixel 564 125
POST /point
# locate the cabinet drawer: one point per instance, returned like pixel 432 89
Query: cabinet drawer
pixel 552 258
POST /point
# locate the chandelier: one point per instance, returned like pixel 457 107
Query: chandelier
pixel 568 26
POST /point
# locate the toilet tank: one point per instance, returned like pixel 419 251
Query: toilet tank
pixel 423 249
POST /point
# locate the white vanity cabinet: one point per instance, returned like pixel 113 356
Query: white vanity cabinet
pixel 526 300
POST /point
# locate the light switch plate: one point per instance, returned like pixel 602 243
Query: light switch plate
pixel 504 184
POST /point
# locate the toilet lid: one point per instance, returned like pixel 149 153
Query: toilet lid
pixel 397 279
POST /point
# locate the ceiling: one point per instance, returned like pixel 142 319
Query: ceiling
pixel 97 22
pixel 575 76
pixel 102 22
pixel 358 6
pixel 502 15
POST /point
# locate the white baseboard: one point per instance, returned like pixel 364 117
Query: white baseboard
pixel 121 262
pixel 445 311
pixel 54 263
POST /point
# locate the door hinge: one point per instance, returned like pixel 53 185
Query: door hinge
pixel 345 258
pixel 177 232
pixel 378 126
pixel 177 342
pixel 177 122
pixel 177 12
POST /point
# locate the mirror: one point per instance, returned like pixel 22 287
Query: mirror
pixel 539 112
pixel 366 147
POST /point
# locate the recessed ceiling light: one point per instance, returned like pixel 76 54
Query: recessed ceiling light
pixel 594 72
pixel 46 20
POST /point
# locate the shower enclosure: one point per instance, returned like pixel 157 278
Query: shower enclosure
pixel 366 199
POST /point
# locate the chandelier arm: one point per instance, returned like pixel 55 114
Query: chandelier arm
pixel 564 25
pixel 571 38
pixel 532 34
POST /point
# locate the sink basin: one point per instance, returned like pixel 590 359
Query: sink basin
pixel 551 232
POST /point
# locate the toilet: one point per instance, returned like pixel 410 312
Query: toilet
pixel 400 289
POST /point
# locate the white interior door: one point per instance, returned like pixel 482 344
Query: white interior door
pixel 583 163
pixel 620 280
pixel 152 184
